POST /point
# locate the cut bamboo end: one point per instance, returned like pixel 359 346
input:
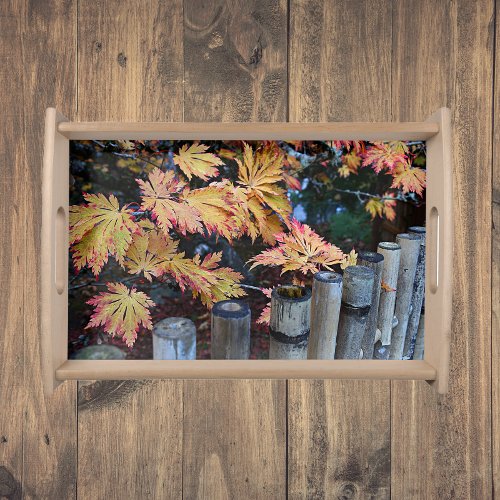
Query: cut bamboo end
pixel 410 249
pixel 325 309
pixel 290 322
pixel 230 330
pixel 374 261
pixel 356 301
pixel 174 338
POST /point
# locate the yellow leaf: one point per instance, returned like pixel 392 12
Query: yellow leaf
pixel 99 228
pixel 194 160
pixel 160 194
pixel 375 207
pixel 409 179
pixel 215 205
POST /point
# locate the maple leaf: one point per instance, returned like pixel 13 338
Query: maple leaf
pixel 352 161
pixel 349 260
pixel 148 251
pixel 160 195
pixel 215 205
pixel 375 207
pixel 121 311
pixel 385 156
pixel 194 160
pixel 344 171
pixel 97 229
pixel 356 146
pixel 389 205
pixel 204 278
pixel 292 182
pixel 260 172
pixel 265 315
pixel 409 179
pixel 300 250
pixel 254 218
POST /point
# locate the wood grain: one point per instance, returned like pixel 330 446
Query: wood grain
pixel 12 252
pixel 329 46
pixel 235 60
pixel 495 268
pixel 234 439
pixel 130 69
pixel 49 79
pixel 130 440
pixel 131 54
pixel 330 454
pixel 234 431
pixel 441 445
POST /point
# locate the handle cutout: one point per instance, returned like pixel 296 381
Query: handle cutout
pixel 61 247
pixel 434 250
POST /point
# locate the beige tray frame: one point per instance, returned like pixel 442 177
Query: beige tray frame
pixel 434 368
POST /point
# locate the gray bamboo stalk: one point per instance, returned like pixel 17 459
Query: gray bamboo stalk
pixel 418 353
pixel 374 261
pixel 356 300
pixel 174 338
pixel 391 253
pixel 410 249
pixel 290 322
pixel 417 299
pixel 230 331
pixel 382 351
pixel 325 310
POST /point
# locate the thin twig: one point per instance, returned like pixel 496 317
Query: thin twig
pixel 251 287
pixel 97 283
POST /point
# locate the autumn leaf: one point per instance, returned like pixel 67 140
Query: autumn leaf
pixel 292 182
pixel 389 205
pixel 352 161
pixel 148 251
pixel 97 229
pixel 300 250
pixel 204 278
pixel 160 195
pixel 260 173
pixel 375 207
pixel 194 160
pixel 215 205
pixel 349 260
pixel 265 314
pixel 409 179
pixel 356 146
pixel 385 156
pixel 121 311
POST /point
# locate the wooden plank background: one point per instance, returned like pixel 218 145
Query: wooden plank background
pixel 255 60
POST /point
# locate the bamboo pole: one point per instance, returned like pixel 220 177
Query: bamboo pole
pixel 174 338
pixel 374 261
pixel 230 331
pixel 410 249
pixel 418 353
pixel 325 310
pixel 417 299
pixel 290 322
pixel 392 254
pixel 356 299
